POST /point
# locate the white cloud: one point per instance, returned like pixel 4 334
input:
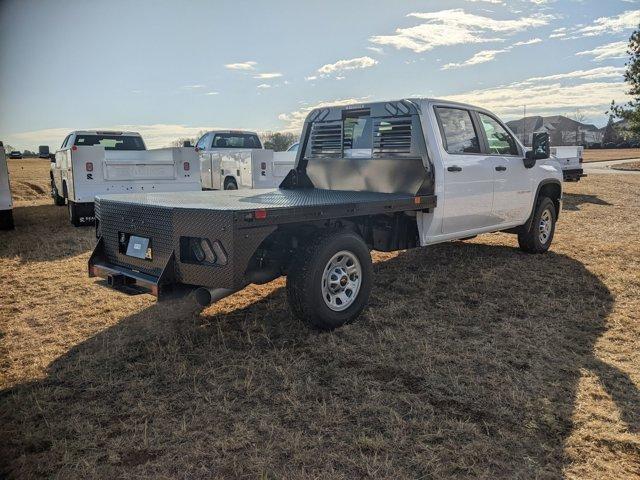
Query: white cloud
pixel 241 66
pixel 591 74
pixel 212 93
pixel 618 23
pixel 609 50
pixel 265 76
pixel 485 56
pixel 480 57
pixel 311 77
pixel 294 120
pixel 558 35
pixel 351 64
pixel 552 94
pixel 527 42
pixel 379 50
pixel 192 87
pixel 264 85
pixel 454 27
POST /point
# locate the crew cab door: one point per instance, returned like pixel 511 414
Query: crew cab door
pixel 206 168
pixel 468 173
pixel 512 190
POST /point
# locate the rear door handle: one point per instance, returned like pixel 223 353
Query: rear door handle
pixel 500 168
pixel 454 168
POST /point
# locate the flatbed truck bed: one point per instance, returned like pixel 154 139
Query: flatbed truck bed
pixel 237 221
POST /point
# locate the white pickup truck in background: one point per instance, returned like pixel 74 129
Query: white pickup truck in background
pixel 234 159
pixel 90 163
pixel 6 203
pixel 570 159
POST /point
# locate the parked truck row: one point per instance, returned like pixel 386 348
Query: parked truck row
pixel 91 163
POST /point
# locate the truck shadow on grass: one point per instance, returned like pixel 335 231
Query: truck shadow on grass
pixel 573 201
pixel 466 364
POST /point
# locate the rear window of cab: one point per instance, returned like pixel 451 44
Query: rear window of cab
pixel 110 142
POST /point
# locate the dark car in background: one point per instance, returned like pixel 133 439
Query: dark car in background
pixel 15 154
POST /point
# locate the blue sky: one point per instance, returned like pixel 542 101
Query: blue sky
pixel 170 69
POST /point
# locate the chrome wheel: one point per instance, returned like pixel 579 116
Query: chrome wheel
pixel 341 281
pixel 545 226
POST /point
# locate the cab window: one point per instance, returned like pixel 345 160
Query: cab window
pixel 500 141
pixel 460 136
pixel 203 143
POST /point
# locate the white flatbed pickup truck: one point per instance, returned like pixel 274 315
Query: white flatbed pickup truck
pixel 235 159
pixel 374 176
pixel 570 160
pixel 90 163
pixel 6 202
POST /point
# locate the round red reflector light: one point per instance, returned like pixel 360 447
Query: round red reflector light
pixel 186 166
pixel 74 148
pixel 263 165
pixel 89 166
pixel 260 214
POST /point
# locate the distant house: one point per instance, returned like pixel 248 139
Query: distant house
pixel 562 130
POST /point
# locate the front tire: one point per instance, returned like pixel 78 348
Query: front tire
pixel 57 199
pixel 330 280
pixel 537 238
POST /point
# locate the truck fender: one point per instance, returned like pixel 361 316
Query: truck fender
pixel 551 188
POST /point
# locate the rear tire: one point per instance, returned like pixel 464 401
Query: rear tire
pixel 57 199
pixel 6 220
pixel 230 184
pixel 74 216
pixel 330 279
pixel 538 237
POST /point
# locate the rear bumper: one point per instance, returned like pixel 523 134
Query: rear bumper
pixel 574 174
pixel 120 277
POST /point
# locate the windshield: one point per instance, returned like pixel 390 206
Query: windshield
pixel 110 142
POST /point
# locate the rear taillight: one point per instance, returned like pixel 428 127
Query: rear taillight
pixel 186 166
pixel 263 165
pixel 89 166
pixel 74 148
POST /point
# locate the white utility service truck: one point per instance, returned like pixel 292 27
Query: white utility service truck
pixel 6 203
pixel 235 159
pixel 373 176
pixel 570 159
pixel 102 162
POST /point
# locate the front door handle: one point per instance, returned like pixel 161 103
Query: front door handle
pixel 454 168
pixel 500 168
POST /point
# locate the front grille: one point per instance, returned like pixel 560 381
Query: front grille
pixel 146 221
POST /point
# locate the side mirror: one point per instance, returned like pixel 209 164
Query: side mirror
pixel 52 157
pixel 540 149
pixel 187 143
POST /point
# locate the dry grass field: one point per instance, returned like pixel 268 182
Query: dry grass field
pixel 474 360
pixel 601 155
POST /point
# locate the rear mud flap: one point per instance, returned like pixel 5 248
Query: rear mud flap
pixel 132 282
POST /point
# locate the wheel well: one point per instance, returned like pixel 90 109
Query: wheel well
pixel 229 179
pixel 554 192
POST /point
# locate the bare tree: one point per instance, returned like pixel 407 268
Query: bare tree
pixel 579 117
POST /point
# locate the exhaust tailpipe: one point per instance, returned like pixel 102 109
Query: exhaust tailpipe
pixel 207 296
